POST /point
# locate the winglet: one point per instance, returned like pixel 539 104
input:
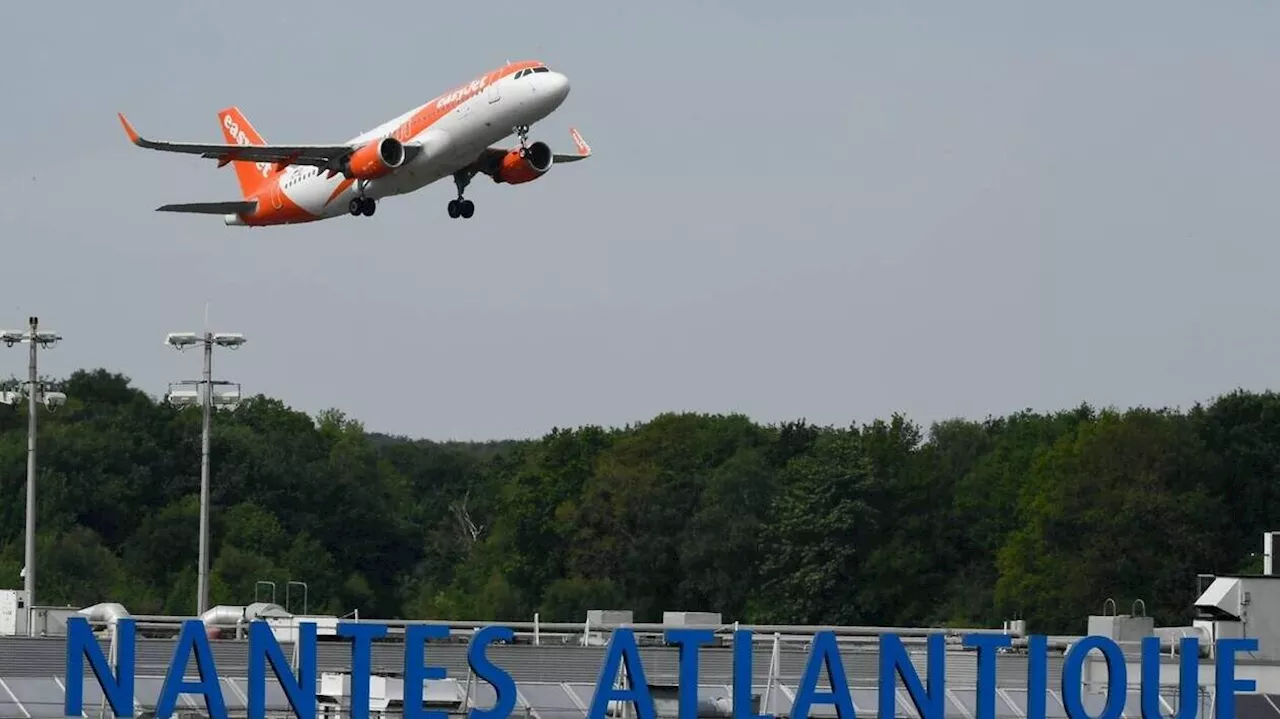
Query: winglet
pixel 134 137
pixel 584 150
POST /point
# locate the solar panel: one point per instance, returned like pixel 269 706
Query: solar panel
pixel 40 696
pixel 778 700
pixel 483 695
pixel 8 705
pixel 1052 705
pixel 1255 706
pixel 276 699
pixel 551 701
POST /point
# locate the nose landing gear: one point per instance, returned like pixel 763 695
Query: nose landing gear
pixel 461 207
pixel 522 131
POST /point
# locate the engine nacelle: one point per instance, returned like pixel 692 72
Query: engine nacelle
pixel 514 169
pixel 375 159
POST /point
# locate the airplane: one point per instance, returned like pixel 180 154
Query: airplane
pixel 452 135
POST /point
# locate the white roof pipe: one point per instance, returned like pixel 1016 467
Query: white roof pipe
pixel 223 615
pixel 108 612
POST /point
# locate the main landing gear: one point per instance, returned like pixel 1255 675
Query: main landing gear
pixel 363 206
pixel 461 207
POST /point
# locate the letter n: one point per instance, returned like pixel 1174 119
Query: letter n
pixel 300 690
pixel 930 704
pixel 81 645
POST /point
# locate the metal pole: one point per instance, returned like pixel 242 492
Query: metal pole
pixel 29 583
pixel 202 587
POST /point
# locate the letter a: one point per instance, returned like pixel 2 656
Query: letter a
pixel 622 648
pixel 192 638
pixel 826 654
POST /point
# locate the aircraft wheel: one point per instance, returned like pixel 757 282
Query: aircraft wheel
pixel 467 208
pixel 368 206
pixel 355 206
pixel 454 209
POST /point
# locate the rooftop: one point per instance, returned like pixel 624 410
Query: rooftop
pixel 556 666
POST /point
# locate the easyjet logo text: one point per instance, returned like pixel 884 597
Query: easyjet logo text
pixel 233 129
pixel 462 93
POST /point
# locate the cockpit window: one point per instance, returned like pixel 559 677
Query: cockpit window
pixel 529 70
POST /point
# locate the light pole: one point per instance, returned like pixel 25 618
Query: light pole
pixel 34 394
pixel 205 395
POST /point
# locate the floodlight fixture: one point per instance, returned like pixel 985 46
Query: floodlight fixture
pixel 182 340
pixel 229 398
pixel 232 340
pixel 11 337
pixel 182 397
pixel 47 339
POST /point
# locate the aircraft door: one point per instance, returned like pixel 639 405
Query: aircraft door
pixel 493 93
pixel 276 200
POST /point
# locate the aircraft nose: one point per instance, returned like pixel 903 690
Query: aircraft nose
pixel 557 86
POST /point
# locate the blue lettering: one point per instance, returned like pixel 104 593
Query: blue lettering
pixel 1225 683
pixel 192 638
pixel 623 655
pixel 742 671
pixel 81 644
pixel 503 685
pixel 1037 675
pixel 689 640
pixel 987 645
pixel 299 690
pixel 622 648
pixel 362 635
pixel 416 673
pixel 1073 682
pixel 930 704
pixel 825 654
pixel 1188 678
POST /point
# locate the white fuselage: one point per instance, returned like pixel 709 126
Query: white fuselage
pixel 449 143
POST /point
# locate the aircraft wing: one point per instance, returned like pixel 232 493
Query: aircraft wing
pixel 584 150
pixel 325 156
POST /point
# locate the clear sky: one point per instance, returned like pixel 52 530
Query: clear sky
pixel 830 210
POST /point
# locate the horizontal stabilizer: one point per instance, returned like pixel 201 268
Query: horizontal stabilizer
pixel 235 207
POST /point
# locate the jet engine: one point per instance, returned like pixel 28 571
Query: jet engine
pixel 374 159
pixel 514 169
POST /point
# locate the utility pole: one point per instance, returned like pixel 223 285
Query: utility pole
pixel 34 394
pixel 204 394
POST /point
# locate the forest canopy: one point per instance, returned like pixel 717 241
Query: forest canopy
pixel 1041 516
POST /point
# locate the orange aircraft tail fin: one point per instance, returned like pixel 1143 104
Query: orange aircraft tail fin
pixel 237 129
